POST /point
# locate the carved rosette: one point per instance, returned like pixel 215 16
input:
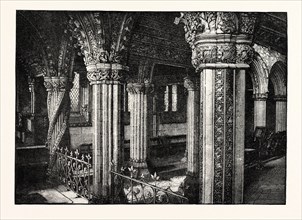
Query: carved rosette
pixel 138 88
pixel 260 96
pixel 220 38
pixel 106 73
pixel 57 83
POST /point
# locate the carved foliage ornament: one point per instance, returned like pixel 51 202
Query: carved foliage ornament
pixel 222 53
pixel 215 23
pixel 107 74
pixel 214 53
pixel 138 88
pixel 57 83
pixel 103 37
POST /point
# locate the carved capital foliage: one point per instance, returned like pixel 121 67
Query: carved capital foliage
pixel 247 22
pixel 103 37
pixel 57 83
pixel 219 37
pixel 260 96
pixel 244 53
pixel 191 84
pixel 138 88
pixel 106 72
pixel 224 53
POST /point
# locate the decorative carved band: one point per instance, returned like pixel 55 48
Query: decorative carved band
pixel 191 84
pixel 137 88
pixel 57 83
pixel 219 37
pixel 280 98
pixel 105 72
pixel 260 96
pixel 216 23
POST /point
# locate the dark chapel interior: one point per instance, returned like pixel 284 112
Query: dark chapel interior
pixel 150 107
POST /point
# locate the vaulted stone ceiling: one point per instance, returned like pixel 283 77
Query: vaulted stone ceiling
pixel 154 36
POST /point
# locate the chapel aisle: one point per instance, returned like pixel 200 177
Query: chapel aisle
pixel 267 186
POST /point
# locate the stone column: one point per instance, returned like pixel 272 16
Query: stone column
pixel 58 106
pixel 191 181
pixel 192 125
pixel 281 113
pixel 221 50
pixel 106 118
pixel 31 87
pixel 260 109
pixel 140 113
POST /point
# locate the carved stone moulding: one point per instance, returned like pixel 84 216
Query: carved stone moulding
pixel 58 83
pixel 108 73
pixel 137 88
pixel 222 51
pixel 280 98
pixel 260 96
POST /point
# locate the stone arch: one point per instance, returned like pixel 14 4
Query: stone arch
pixel 259 74
pixel 278 76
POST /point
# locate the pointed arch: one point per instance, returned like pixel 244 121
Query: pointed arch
pixel 259 75
pixel 278 76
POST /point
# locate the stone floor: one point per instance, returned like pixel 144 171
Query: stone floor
pixel 266 186
pixel 43 193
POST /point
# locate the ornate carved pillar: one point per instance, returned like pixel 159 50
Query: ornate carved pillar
pixel 221 51
pixel 140 113
pixel 281 110
pixel 58 106
pixel 106 119
pixel 260 109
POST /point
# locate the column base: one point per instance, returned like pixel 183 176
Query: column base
pixel 191 188
pixel 141 167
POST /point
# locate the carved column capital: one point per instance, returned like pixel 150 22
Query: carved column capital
pixel 219 39
pixel 137 88
pixel 31 83
pixel 57 83
pixel 106 73
pixel 191 84
pixel 260 96
pixel 280 98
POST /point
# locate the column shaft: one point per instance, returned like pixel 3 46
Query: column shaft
pixel 97 137
pixel 239 136
pixel 281 114
pixel 139 119
pixel 259 112
pixel 192 126
pixel 216 153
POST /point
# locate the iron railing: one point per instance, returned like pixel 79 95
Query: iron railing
pixel 74 171
pixel 127 189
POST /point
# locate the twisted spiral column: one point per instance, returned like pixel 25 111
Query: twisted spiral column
pixel 58 106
